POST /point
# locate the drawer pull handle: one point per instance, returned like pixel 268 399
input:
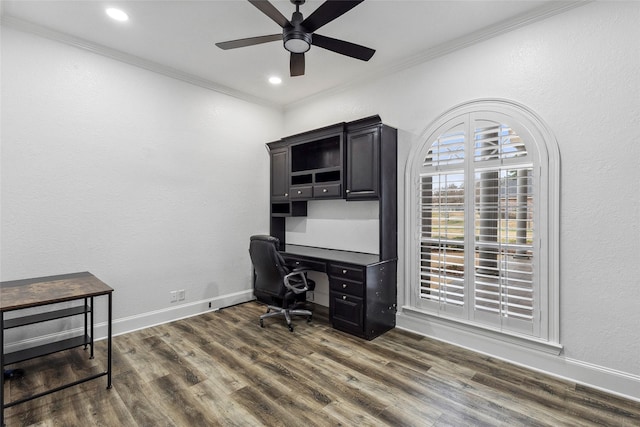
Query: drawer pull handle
pixel 344 286
pixel 299 191
pixel 344 297
pixel 297 262
pixel 286 194
pixel 324 190
pixel 344 271
pixel 348 191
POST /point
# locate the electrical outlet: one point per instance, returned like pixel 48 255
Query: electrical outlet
pixel 209 304
pixel 181 295
pixel 174 296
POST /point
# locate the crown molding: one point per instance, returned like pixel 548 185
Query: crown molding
pixel 550 9
pixel 48 33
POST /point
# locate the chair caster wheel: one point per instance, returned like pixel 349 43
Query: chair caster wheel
pixel 290 328
pixel 309 319
pixel 261 323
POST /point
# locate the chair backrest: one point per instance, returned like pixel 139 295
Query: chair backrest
pixel 268 265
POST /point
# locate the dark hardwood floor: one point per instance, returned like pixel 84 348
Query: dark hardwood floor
pixel 222 369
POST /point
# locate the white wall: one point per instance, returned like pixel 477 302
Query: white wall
pixel 150 183
pixel 356 224
pixel 579 72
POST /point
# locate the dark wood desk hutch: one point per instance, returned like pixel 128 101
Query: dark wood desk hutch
pixel 352 161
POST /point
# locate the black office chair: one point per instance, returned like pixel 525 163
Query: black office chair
pixel 282 288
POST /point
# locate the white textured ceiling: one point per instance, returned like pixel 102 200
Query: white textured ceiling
pixel 177 37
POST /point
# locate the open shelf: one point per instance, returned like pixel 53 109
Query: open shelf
pixel 284 209
pixel 280 209
pixel 328 176
pixel 318 154
pixel 43 317
pixel 43 350
pixel 306 178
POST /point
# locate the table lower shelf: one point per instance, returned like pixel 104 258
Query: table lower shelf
pixel 43 317
pixel 43 350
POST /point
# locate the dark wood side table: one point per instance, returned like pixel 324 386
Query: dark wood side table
pixel 43 291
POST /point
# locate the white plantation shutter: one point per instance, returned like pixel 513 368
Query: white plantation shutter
pixel 442 238
pixel 503 255
pixel 496 141
pixel 477 212
pixel 447 149
pixel 442 228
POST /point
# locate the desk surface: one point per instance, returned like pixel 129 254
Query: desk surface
pixel 358 258
pixel 18 294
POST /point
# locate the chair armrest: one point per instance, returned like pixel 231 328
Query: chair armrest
pixel 298 287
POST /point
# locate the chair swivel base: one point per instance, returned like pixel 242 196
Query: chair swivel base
pixel 287 313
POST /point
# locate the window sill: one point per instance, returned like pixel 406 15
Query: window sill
pixel 437 324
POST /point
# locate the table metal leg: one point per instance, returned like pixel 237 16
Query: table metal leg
pixel 91 333
pixel 85 322
pixel 2 369
pixel 109 333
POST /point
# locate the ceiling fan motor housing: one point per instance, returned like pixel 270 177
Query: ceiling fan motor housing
pixel 296 38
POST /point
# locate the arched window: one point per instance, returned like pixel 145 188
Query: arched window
pixel 484 187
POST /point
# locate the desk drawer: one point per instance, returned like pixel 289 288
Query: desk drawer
pixel 347 286
pixel 341 271
pixel 294 261
pixel 301 192
pixel 326 190
pixel 347 313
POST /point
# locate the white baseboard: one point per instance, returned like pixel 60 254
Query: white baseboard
pixel 158 317
pixel 609 380
pixel 140 321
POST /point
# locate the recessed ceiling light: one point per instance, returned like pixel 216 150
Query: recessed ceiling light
pixel 117 14
pixel 275 80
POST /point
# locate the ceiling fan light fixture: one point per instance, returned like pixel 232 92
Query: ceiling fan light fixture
pixel 296 46
pixel 296 41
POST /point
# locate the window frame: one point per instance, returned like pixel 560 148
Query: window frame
pixel 544 148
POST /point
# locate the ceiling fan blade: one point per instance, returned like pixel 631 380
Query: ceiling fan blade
pixel 342 47
pixel 250 41
pixel 271 11
pixel 296 64
pixel 327 12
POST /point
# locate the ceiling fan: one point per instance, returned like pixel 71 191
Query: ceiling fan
pixel 299 34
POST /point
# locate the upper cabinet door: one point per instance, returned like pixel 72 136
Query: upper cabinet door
pixel 280 174
pixel 363 164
